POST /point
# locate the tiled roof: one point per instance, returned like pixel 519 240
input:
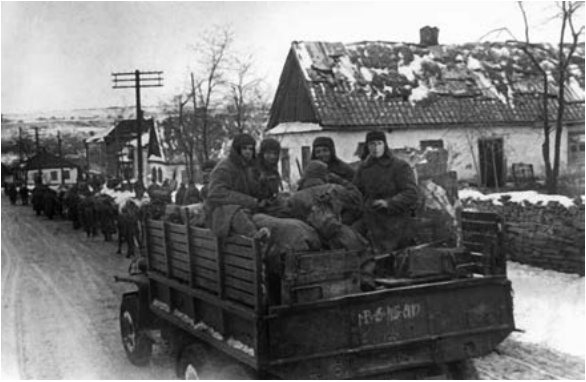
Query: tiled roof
pixel 390 84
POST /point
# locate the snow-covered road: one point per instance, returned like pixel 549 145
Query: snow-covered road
pixel 60 311
pixel 60 304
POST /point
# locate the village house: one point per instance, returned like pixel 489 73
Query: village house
pixel 164 161
pixel 53 170
pixel 479 101
pixel 114 153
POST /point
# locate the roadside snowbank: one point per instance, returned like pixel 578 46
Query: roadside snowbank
pixel 517 197
pixel 549 307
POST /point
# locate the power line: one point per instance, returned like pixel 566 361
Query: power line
pixel 148 79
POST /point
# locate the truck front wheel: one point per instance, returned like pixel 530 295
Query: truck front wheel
pixel 137 345
pixel 198 361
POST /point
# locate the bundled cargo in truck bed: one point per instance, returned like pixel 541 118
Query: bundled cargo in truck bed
pixel 210 299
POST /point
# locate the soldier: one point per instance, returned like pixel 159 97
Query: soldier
pixel 269 177
pixel 180 196
pixel 192 195
pixel 325 151
pixel 233 187
pixel 24 194
pixel 390 194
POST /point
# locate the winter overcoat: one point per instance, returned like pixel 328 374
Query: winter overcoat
pixel 232 187
pixel 393 180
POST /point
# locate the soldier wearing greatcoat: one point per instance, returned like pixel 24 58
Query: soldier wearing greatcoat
pixel 389 192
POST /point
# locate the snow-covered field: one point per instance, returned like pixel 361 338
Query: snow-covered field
pixel 549 307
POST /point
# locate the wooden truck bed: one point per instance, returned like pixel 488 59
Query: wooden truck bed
pixel 324 327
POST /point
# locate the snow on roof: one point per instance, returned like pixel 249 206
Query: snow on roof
pixel 294 127
pixel 532 197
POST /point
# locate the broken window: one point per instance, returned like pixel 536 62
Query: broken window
pixel 433 143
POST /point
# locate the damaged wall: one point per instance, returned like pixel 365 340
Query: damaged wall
pixel 548 236
pixel 521 145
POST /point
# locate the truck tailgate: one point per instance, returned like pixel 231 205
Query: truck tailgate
pixel 391 329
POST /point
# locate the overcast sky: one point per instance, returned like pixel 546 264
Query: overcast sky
pixel 60 55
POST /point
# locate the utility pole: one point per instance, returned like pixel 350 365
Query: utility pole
pixel 20 153
pixel 141 80
pixel 60 155
pixel 40 173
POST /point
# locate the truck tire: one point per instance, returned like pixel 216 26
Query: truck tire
pixel 463 370
pixel 137 345
pixel 198 361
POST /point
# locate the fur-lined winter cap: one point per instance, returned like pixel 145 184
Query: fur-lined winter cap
pixel 376 135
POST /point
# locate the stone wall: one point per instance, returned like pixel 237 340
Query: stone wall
pixel 547 236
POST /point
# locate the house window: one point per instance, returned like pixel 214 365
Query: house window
pixel 285 165
pixel 154 174
pixel 432 143
pixel 54 176
pixel 305 156
pixel 66 174
pixel 576 149
pixel 160 172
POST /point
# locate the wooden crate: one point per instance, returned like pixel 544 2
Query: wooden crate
pixel 320 275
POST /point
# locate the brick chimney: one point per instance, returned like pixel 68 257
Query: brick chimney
pixel 428 36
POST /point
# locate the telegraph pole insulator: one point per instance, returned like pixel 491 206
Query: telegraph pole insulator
pixel 137 80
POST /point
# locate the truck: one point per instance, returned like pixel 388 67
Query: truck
pixel 206 300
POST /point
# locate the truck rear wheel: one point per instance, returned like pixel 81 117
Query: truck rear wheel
pixel 464 370
pixel 137 345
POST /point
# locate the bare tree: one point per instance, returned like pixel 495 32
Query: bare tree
pixel 246 97
pixel 213 51
pixel 555 74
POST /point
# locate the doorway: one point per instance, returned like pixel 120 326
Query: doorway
pixel 492 162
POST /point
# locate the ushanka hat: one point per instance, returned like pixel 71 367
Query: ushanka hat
pixel 376 135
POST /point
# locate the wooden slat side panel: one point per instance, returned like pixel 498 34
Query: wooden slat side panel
pixel 179 247
pixel 243 251
pixel 206 274
pixel 241 285
pixel 177 228
pixel 180 238
pixel 239 240
pixel 155 224
pixel 201 233
pixel 239 262
pixel 182 265
pixel 204 263
pixel 159 241
pixel 239 273
pixel 155 232
pixel 206 284
pixel 205 253
pixel 239 296
pixel 207 245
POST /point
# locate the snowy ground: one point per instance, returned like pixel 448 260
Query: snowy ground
pixel 517 196
pixel 549 307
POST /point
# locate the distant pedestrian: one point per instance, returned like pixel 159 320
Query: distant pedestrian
pixel 24 194
pixel 180 196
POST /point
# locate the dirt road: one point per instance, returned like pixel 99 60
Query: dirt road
pixel 60 304
pixel 60 312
